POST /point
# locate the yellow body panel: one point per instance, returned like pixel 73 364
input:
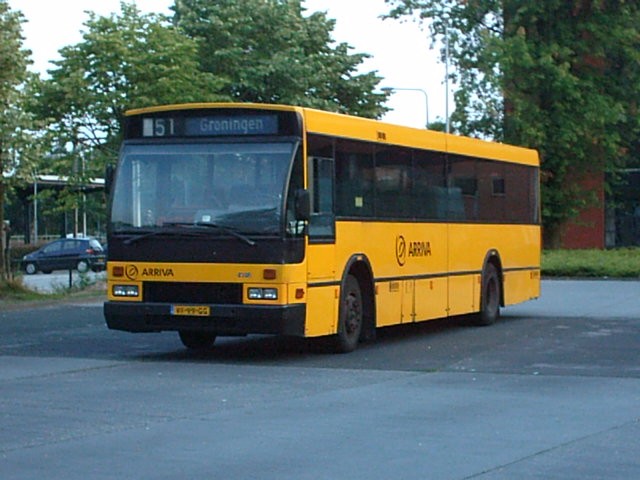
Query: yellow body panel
pixel 289 278
pixel 322 311
pixel 435 283
pixel 521 286
pixel 203 272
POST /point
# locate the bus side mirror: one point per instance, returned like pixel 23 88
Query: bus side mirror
pixel 109 172
pixel 303 205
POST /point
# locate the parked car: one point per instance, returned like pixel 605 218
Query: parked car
pixel 80 254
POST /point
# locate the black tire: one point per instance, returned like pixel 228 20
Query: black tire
pixel 200 341
pixel 350 317
pixel 82 266
pixel 30 268
pixel 489 297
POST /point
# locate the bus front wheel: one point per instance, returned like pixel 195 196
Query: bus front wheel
pixel 350 317
pixel 197 340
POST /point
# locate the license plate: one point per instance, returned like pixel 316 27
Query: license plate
pixel 191 310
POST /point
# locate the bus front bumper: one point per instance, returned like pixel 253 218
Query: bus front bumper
pixel 222 319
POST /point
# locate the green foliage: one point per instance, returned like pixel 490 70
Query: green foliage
pixel 15 138
pixel 13 58
pixel 268 51
pixel 561 77
pixel 618 263
pixel 124 61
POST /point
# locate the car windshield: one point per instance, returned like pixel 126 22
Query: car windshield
pixel 95 244
pixel 237 186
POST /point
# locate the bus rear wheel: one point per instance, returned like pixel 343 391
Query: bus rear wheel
pixel 200 341
pixel 350 317
pixel 489 297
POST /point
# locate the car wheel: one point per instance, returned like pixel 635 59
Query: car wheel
pixel 30 268
pixel 83 266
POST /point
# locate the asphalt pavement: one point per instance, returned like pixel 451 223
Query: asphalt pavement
pixel 552 391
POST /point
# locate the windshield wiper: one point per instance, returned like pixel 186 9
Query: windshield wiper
pixel 147 234
pixel 222 228
pixel 137 235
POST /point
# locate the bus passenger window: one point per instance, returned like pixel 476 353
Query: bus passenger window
pixel 491 191
pixel 463 180
pixel 520 194
pixel 429 188
pixel 393 183
pixel 354 179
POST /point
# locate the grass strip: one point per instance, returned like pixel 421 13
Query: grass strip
pixel 615 263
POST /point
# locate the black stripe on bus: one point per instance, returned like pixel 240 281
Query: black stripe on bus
pixel 429 276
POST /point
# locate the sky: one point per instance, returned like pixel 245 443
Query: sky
pixel 400 50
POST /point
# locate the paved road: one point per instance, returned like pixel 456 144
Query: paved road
pixel 551 391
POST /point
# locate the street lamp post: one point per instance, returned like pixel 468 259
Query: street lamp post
pixel 446 75
pixel 426 98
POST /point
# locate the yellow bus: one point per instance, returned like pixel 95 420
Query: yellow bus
pixel 235 219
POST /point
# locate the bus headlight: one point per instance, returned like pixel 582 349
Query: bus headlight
pixel 255 293
pixel 125 291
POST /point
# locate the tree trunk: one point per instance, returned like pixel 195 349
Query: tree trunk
pixel 552 237
pixel 3 248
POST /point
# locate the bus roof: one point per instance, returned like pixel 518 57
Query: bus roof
pixel 347 126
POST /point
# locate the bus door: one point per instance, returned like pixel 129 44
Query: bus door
pixel 322 298
pixel 465 252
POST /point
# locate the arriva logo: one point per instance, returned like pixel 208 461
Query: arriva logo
pixel 157 272
pixel 401 250
pixel 412 249
pixel 131 271
pixel 420 249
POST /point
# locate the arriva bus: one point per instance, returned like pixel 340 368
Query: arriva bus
pixel 234 219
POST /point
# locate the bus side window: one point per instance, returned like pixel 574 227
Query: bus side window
pixel 354 179
pixel 463 180
pixel 430 192
pixel 393 183
pixel 322 222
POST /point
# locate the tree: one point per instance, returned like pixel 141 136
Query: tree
pixel 124 61
pixel 14 124
pixel 559 76
pixel 268 51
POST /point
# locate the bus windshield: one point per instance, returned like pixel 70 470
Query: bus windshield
pixel 239 186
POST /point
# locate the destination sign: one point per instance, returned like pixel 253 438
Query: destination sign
pixel 213 122
pixel 232 125
pixel 210 125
